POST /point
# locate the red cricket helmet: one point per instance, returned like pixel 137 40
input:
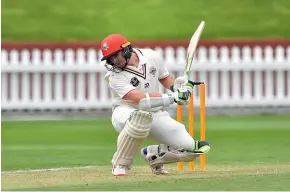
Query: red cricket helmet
pixel 112 44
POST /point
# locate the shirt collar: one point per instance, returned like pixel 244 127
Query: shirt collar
pixel 142 58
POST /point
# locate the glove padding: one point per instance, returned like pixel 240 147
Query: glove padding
pixel 182 95
pixel 181 81
pixel 177 83
pixel 188 86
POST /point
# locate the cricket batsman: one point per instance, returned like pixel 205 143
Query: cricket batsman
pixel 134 75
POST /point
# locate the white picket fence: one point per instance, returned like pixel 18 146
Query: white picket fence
pixel 56 79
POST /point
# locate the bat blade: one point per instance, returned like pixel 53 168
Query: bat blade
pixel 192 47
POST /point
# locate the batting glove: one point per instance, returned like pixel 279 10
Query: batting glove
pixel 181 81
pixel 181 96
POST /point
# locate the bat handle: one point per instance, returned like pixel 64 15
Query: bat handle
pixel 193 83
pixel 185 76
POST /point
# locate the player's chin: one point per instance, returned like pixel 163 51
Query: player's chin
pixel 121 66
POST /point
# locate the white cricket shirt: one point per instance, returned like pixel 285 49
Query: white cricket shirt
pixel 144 77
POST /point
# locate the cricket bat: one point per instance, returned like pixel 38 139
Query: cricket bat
pixel 192 48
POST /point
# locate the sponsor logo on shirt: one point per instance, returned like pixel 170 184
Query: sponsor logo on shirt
pixel 135 82
pixel 146 85
pixel 152 71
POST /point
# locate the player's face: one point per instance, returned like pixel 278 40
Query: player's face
pixel 117 60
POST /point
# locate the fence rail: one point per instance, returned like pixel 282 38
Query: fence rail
pixel 73 78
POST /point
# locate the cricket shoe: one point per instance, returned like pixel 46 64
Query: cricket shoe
pixel 119 170
pixel 157 170
pixel 201 147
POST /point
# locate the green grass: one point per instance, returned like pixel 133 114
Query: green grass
pixel 247 153
pixel 267 177
pixel 74 20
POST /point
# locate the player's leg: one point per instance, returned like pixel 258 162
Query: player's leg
pixel 158 155
pixel 132 134
pixel 120 115
pixel 167 130
pixel 177 145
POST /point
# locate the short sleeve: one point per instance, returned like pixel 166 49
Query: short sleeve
pixel 120 85
pixel 163 71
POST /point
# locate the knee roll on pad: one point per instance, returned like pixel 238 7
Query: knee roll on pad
pixel 138 124
pixel 136 129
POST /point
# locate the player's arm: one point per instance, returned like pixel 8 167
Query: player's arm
pixel 167 82
pixel 151 100
pixel 121 86
pixel 147 101
pixel 166 79
pixel 136 95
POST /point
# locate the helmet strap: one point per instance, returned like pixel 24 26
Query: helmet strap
pixel 127 53
pixel 127 50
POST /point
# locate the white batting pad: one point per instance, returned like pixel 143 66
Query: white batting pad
pixel 131 137
pixel 163 154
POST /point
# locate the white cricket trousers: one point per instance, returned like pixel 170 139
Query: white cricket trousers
pixel 165 130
